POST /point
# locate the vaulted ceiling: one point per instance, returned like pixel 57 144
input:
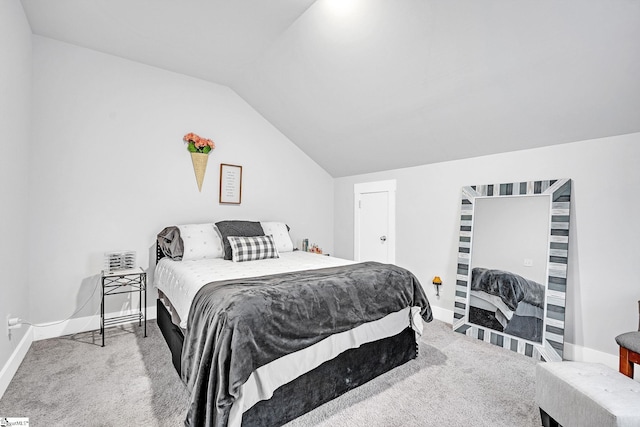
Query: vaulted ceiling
pixel 370 85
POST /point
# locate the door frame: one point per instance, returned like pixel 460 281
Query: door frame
pixel 388 186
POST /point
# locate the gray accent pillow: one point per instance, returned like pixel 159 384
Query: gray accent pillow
pixel 237 228
pixel 171 243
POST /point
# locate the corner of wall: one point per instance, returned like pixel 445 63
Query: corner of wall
pixel 15 126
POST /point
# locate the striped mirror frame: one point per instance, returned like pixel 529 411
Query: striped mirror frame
pixel 551 347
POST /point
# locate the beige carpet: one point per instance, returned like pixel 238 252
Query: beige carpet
pixel 455 381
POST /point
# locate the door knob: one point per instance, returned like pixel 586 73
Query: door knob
pixel 383 238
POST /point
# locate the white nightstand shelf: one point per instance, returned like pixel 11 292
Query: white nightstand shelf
pixel 124 282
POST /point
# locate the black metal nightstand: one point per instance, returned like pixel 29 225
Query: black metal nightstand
pixel 124 282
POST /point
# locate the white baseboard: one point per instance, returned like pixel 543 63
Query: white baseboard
pixel 11 367
pixel 81 324
pixel 578 353
pixel 52 330
pixel 442 314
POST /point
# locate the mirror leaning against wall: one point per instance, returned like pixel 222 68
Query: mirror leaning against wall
pixel 512 265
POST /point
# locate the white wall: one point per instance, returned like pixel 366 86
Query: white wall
pixel 15 149
pixel 603 287
pixel 109 169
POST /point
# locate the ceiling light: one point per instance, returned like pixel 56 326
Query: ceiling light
pixel 341 8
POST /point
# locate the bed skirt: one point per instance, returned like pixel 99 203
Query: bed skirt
pixel 333 378
pixel 172 335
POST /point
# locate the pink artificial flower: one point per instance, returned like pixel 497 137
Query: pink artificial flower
pixel 198 142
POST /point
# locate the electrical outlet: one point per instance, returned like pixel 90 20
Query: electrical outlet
pixel 12 323
pixel 8 327
pixel 528 262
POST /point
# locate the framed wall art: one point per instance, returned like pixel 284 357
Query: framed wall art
pixel 230 184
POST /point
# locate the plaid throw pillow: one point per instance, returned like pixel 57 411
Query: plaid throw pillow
pixel 252 248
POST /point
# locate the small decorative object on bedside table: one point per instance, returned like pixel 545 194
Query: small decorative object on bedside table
pixel 119 260
pixel 126 281
pixel 315 249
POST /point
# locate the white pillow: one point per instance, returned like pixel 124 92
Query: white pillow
pixel 280 235
pixel 201 241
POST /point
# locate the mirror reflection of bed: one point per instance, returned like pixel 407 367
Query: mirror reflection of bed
pixel 509 265
pixel 507 302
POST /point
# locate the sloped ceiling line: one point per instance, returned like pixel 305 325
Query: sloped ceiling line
pixel 369 85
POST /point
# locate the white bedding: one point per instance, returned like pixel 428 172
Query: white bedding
pixel 181 280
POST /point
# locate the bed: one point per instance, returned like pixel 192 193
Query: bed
pixel 262 342
pixel 507 302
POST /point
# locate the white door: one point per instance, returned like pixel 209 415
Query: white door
pixel 374 237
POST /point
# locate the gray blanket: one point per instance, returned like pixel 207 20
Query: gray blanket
pixel 510 287
pixel 236 326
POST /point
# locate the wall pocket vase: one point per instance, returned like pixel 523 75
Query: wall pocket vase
pixel 199 167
